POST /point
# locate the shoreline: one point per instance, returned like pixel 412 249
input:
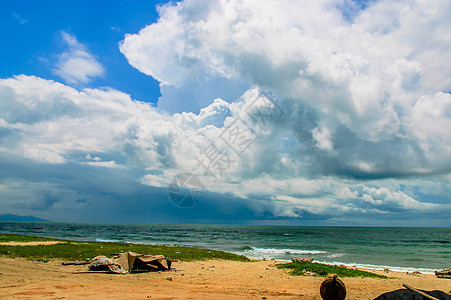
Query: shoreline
pixel 334 263
pixel 363 266
pixel 197 279
pixel 338 245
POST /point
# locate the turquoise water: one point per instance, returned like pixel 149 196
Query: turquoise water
pixel 407 249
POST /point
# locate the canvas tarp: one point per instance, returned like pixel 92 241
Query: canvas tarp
pixel 127 262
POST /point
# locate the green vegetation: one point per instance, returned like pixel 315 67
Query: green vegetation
pixel 4 238
pixel 301 268
pixel 71 251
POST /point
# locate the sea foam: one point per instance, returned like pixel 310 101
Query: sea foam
pixel 260 252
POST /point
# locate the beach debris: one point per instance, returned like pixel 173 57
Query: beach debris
pixel 103 263
pixel 333 288
pixel 445 273
pixel 76 263
pixel 415 273
pixel 301 259
pixel 125 263
pixel 386 270
pixel 169 279
pixel 412 293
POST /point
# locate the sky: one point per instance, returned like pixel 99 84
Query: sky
pixel 329 112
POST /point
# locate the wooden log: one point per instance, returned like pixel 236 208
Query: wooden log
pixel 76 263
pixel 419 292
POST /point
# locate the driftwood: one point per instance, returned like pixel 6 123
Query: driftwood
pixel 75 263
pixel 445 273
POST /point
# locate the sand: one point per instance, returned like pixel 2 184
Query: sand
pixel 30 243
pixel 24 279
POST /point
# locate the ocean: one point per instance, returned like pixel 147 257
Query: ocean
pixel 400 248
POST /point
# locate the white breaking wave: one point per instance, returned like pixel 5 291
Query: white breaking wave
pixel 107 241
pixel 259 252
pixel 273 253
pixel 335 255
pixel 379 267
pixel 127 242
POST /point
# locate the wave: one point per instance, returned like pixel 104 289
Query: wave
pixel 335 255
pixel 126 242
pixel 272 251
pixel 379 267
pixel 107 241
pixel 281 254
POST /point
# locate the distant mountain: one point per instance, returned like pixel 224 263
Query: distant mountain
pixel 15 218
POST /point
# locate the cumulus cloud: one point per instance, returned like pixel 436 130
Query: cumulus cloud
pixel 365 74
pixel 365 90
pixel 116 137
pixel 292 108
pixel 77 65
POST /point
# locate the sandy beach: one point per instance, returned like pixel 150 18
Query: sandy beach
pixel 23 279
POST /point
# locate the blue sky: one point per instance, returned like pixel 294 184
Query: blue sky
pixel 296 112
pixel 33 34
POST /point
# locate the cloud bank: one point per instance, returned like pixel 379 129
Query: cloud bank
pixel 284 109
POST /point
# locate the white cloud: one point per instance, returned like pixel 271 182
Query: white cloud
pixel 108 130
pixel 154 180
pixel 382 196
pixel 96 158
pixel 322 138
pixel 364 74
pixel 364 96
pixel 359 106
pixel 77 65
pixel 105 164
pixel 19 18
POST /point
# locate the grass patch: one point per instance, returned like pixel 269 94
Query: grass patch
pixel 71 251
pixel 301 268
pixel 5 238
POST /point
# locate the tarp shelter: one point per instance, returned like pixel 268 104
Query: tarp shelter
pixel 405 294
pixel 124 263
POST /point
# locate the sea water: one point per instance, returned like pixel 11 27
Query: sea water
pixel 400 248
